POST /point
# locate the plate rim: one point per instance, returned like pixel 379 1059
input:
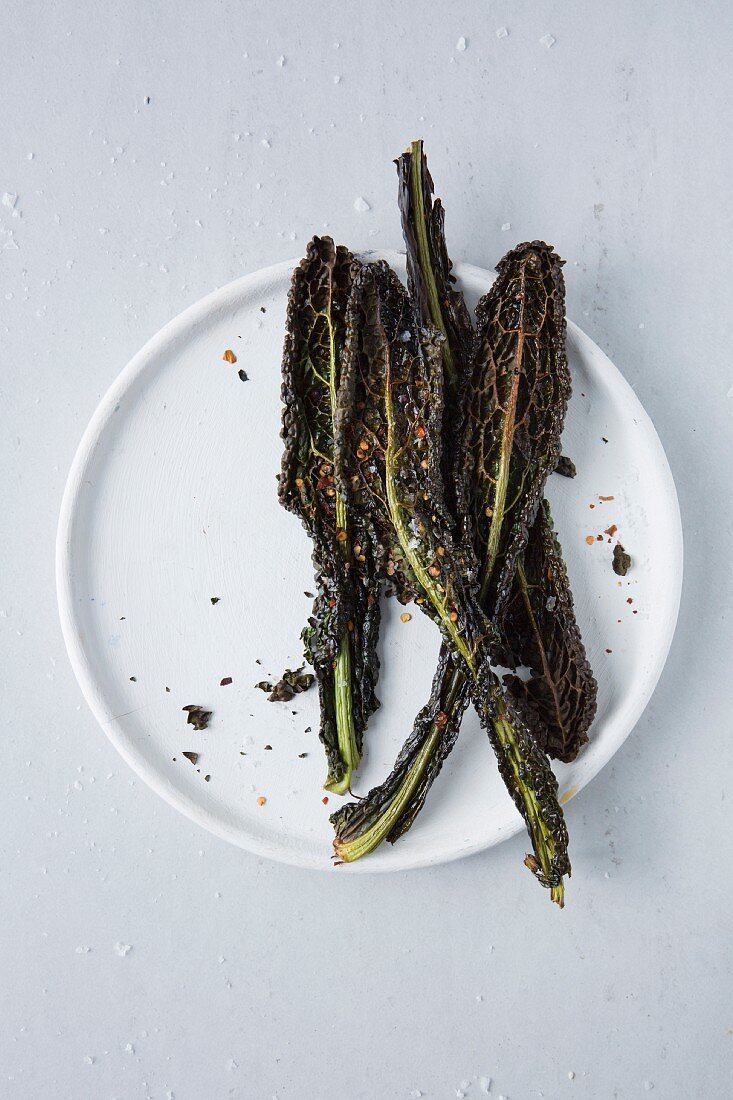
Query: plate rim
pixel 401 859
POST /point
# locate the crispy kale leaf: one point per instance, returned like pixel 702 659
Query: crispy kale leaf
pixel 389 461
pixel 539 630
pixel 342 631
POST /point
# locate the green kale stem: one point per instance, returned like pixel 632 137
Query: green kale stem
pixel 343 701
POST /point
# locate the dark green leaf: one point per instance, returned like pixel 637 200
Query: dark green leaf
pixel 341 635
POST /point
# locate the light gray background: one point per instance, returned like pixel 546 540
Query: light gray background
pixel 249 979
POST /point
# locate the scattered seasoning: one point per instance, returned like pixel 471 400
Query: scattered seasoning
pixel 262 309
pixel 309 595
pixel 302 755
pixel 605 498
pixel 242 375
pixel 629 599
pixel 621 560
pixel 229 356
pixel 242 753
pixel 565 466
pixel 134 679
pixel 207 778
pixel 609 651
pixel 258 661
pixel 611 530
pixel 198 717
pixel 589 539
pixel 264 685
pixel 307 729
pixel 591 505
pixel 147 100
pixel 405 617
pixel 599 538
pixel 225 682
pixel 122 618
pixel 215 599
pixel 168 689
pixel 192 756
pixel 261 800
pixel 269 747
pixel 604 439
pixel 324 800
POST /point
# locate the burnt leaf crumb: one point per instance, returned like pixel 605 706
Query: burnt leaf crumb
pixel 565 466
pixel 292 682
pixel 309 595
pixel 229 356
pixel 215 599
pixel 302 755
pixel 604 439
pixel 307 729
pixel 242 375
pixel 242 753
pixel 258 661
pixel 225 682
pixel 147 100
pixel 168 689
pixel 133 679
pixel 198 717
pixel 262 309
pixel 621 560
pixel 207 778
pixel 122 618
pixel 264 685
pixel 269 748
pixel 192 756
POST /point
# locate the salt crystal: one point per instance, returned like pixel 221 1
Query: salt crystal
pixel 548 41
pixel 460 1094
pixel 648 1086
pixel 730 392
pixel 502 32
pixel 129 1048
pixel 485 1084
pixel 461 44
pixel 506 226
pixel 571 1075
pixel 232 1064
pixel 31 156
pixel 10 242
pixel 337 79
pixel 281 61
pixel 415 1094
pixel 78 785
pixel 10 199
pixel 88 1060
pixel 265 143
pixel 123 949
pixel 83 950
pixel 479 998
pixel 361 205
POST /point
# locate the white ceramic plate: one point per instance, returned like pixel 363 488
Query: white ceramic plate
pixel 171 500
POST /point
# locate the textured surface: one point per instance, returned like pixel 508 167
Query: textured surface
pixel 463 971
